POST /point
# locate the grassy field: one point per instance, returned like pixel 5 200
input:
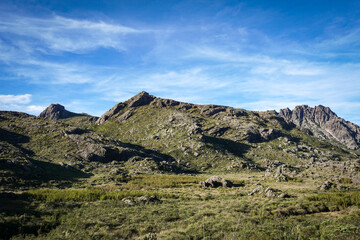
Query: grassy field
pixel 185 211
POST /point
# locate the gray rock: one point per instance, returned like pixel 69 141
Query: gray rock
pixel 146 199
pixel 128 201
pixel 112 113
pixel 269 192
pixel 327 185
pixel 140 99
pixel 256 134
pixel 323 123
pixel 57 111
pixel 210 110
pixel 216 181
pixel 258 189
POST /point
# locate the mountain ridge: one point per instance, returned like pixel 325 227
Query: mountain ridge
pixel 320 120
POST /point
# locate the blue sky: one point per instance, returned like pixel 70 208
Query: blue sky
pixel 258 55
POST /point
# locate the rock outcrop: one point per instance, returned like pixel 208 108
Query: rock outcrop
pixel 216 181
pixel 324 124
pixel 57 111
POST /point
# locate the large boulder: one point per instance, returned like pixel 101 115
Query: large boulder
pixel 216 181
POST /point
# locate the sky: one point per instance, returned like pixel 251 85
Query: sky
pixel 257 55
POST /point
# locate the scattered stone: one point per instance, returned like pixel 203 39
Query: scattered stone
pixel 341 187
pixel 327 185
pixel 146 199
pixel 128 201
pixel 268 192
pixel 281 178
pixel 256 190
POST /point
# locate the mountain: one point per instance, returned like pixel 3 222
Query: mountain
pixel 57 111
pixel 136 170
pixel 151 134
pixel 324 124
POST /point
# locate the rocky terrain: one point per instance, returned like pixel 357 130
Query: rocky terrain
pixel 323 123
pixel 150 151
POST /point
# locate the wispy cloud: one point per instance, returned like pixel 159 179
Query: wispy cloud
pixel 214 62
pixel 58 33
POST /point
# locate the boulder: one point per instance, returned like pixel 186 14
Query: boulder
pixel 216 181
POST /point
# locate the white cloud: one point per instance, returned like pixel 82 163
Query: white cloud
pixel 15 99
pixel 64 34
pixel 36 109
pixel 19 103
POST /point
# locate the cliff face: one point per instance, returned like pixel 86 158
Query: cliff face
pixel 323 123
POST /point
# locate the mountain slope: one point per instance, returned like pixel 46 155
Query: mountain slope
pixel 147 134
pixel 209 137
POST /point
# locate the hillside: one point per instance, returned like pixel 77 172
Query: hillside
pixel 166 147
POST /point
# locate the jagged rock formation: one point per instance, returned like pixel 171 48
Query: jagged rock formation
pixel 324 124
pixel 56 111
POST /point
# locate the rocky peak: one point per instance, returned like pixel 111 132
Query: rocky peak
pixel 143 98
pixel 324 124
pixel 55 112
pixel 123 110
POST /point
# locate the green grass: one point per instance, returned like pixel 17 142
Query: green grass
pixel 163 181
pixel 338 199
pixel 86 195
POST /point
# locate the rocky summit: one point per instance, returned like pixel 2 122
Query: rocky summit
pixel 323 123
pixel 56 111
pixel 150 168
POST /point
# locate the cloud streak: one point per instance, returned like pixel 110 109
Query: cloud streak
pixel 62 34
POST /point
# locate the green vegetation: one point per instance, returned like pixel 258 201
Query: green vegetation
pixel 75 179
pixel 89 195
pixel 185 211
pixel 338 199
